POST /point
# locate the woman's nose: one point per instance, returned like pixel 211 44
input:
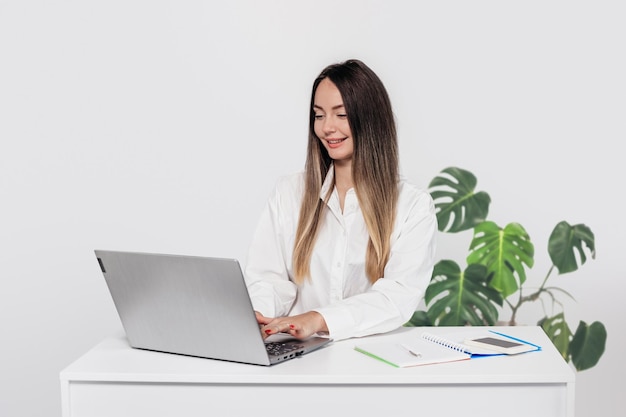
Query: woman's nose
pixel 329 125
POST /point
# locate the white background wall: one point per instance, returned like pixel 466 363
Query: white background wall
pixel 162 125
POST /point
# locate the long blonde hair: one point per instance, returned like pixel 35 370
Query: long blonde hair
pixel 374 167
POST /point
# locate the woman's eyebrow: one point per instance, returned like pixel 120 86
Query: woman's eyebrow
pixel 338 106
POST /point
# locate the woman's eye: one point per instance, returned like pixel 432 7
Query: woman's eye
pixel 342 116
pixel 319 116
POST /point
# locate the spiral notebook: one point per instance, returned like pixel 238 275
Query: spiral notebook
pixel 414 352
pixel 430 349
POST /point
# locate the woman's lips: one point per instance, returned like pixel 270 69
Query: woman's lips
pixel 333 143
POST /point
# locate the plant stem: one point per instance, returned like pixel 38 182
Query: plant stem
pixel 532 297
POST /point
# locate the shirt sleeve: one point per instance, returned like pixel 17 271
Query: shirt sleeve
pixel 393 299
pixel 266 274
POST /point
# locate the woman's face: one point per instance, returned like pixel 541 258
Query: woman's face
pixel 331 122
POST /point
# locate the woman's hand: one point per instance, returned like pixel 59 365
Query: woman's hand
pixel 300 326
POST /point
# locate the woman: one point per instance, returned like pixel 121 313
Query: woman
pixel 345 248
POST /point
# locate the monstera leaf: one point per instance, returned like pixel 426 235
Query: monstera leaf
pixel 584 348
pixel 558 331
pixel 460 298
pixel 458 206
pixel 588 345
pixel 504 252
pixel 565 241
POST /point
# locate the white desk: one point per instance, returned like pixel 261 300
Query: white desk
pixel 113 379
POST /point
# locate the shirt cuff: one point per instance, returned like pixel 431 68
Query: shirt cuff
pixel 339 321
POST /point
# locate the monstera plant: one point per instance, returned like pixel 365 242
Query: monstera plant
pixel 495 275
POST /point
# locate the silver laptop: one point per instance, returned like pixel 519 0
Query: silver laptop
pixel 189 305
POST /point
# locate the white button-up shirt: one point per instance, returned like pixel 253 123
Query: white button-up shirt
pixel 338 287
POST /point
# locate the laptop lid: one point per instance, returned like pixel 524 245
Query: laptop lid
pixel 189 305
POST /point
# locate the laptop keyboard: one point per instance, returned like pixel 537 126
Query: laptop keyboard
pixel 280 348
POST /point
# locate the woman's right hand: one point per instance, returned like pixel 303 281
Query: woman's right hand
pixel 262 320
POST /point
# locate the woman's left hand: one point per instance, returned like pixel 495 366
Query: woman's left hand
pixel 300 326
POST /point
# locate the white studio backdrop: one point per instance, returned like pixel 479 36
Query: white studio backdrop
pixel 161 126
